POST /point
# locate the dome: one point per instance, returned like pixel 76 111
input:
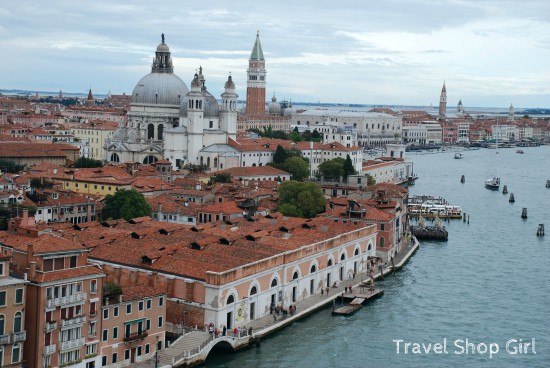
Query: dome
pixel 274 106
pixel 211 107
pixel 159 89
pixel 162 47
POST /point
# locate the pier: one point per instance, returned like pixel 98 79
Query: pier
pixel 357 302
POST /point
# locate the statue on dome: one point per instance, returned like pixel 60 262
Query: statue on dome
pixel 162 37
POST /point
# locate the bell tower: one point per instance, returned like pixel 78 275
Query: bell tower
pixel 228 112
pixel 443 102
pixel 255 86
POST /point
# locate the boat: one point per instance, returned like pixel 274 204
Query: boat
pixel 459 155
pixel 494 182
pixel 519 151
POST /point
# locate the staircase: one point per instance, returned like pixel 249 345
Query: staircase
pixel 189 341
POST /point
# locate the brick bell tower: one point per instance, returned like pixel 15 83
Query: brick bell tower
pixel 255 87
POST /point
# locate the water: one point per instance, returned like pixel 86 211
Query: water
pixel 488 283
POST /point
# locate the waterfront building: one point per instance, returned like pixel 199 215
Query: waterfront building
pixel 59 205
pixel 371 128
pixel 415 134
pixel 13 334
pixel 31 153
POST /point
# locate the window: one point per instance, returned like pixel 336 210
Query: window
pixel 15 353
pixel 160 321
pixel 17 322
pixel 115 312
pixel 105 335
pixel 103 361
pixel 161 301
pixel 128 308
pixel 91 349
pixel 148 303
pixel 1 324
pixel 114 357
pixel 140 305
pixel 106 313
pixel 147 349
pixel 138 351
pixel 93 286
pixel 2 298
pixel 148 324
pixel 126 354
pixel 115 332
pixel 1 269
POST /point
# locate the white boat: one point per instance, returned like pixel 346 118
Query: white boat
pixel 494 182
pixel 459 155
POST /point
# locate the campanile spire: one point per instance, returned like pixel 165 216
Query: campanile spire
pixel 255 86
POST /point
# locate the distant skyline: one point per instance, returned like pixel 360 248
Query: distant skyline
pixel 397 52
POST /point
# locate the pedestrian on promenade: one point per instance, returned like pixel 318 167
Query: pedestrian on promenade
pixel 224 330
pixel 327 289
pixel 274 317
pixel 322 291
pixel 350 289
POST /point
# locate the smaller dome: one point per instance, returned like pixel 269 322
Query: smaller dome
pixel 196 81
pixel 211 106
pixel 274 107
pixel 162 47
pixel 229 84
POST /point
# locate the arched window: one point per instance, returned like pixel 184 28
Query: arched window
pixel 369 247
pixel 160 132
pixel 150 131
pixel 114 157
pixel 149 160
pixel 295 276
pixel 329 263
pixel 381 242
pixel 215 162
pixel 254 290
pixel 17 322
pixel 356 252
pixel 1 324
pixel 343 257
pixel 15 353
pixel 208 161
pixel 274 283
pixel 313 269
pixel 230 299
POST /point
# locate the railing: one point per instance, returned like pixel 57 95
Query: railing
pixel 136 336
pixel 188 353
pixel 49 349
pixel 5 339
pixel 72 343
pixel 19 336
pixel 50 326
pixel 80 320
pixel 75 298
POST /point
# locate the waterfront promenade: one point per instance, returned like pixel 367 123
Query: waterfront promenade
pixel 202 342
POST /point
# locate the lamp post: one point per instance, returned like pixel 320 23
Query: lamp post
pixel 157 354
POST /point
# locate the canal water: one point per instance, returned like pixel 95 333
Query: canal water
pixel 488 284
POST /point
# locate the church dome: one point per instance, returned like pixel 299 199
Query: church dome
pixel 274 106
pixel 211 106
pixel 159 89
pixel 162 47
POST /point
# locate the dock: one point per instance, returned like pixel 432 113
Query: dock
pixel 358 300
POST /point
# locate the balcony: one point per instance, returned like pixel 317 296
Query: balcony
pixel 49 349
pixel 19 336
pixel 75 298
pixel 65 345
pixel 50 326
pixel 73 322
pixel 135 337
pixel 5 339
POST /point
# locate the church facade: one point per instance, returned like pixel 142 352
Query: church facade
pixel 167 120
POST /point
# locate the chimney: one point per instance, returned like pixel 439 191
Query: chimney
pixel 32 270
pixel 25 218
pixel 30 253
pixel 74 238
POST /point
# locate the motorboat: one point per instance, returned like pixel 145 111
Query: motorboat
pixel 459 155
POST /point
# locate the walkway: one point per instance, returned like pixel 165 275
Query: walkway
pixel 196 341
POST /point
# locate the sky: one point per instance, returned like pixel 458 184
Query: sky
pixel 394 52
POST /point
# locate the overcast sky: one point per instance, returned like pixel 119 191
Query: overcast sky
pixel 391 52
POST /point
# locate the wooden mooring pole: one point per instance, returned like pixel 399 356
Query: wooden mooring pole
pixel 524 213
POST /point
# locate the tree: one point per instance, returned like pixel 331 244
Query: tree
pixel 41 183
pixel 332 169
pixel 280 155
pixel 301 199
pixel 297 167
pixel 370 180
pixel 220 178
pixel 280 134
pixel 126 204
pixel 10 167
pixel 349 169
pixel 316 135
pixel 84 162
pixel 295 136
